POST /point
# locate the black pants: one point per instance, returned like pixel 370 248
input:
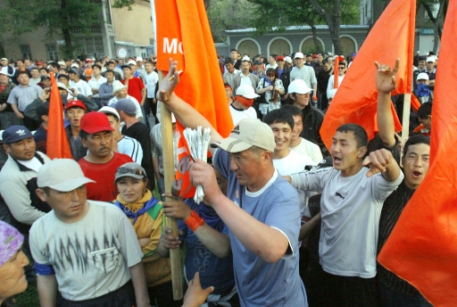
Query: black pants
pixel 122 297
pixel 162 296
pixel 149 106
pixel 344 291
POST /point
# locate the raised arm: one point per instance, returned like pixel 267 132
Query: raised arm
pixel 385 83
pixel 185 113
pixel 382 161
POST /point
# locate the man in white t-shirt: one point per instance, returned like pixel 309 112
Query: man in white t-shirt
pixel 85 250
pixel 241 107
pixel 151 79
pixel 299 144
pixel 351 203
pixel 80 85
pixel 95 81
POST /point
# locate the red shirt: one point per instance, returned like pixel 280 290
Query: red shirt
pixel 103 174
pixel 134 87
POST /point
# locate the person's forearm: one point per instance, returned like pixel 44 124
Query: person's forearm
pixel 262 90
pixel 215 241
pixel 155 164
pixel 306 228
pixel 163 251
pixel 47 290
pixel 143 96
pixel 16 110
pixel 392 171
pixel 385 120
pixel 266 242
pixel 139 285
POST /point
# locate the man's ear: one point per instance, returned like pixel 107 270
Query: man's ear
pixel 362 151
pixel 41 194
pixel 6 148
pixel 83 142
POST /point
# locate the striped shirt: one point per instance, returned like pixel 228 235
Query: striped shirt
pixel 130 147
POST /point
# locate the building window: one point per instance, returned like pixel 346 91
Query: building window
pixel 144 55
pixel 25 51
pixel 51 50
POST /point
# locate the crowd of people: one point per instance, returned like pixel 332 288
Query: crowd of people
pixel 285 221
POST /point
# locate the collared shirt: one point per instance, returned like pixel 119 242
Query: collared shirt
pixel 22 96
pixel 95 84
pixel 105 92
pixel 246 80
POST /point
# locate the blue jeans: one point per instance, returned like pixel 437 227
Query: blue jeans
pixel 394 298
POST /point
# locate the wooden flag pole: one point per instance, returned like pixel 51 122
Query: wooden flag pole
pixel 405 122
pixel 169 177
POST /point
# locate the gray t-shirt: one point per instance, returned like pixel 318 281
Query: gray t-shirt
pixel 350 208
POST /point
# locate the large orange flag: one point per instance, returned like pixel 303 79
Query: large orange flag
pixel 422 247
pixel 183 33
pixel 57 145
pixel 356 99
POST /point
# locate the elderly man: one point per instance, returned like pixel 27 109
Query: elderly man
pixel 261 210
pixel 85 250
pixel 120 92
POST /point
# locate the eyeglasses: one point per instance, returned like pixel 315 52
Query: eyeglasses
pixel 130 170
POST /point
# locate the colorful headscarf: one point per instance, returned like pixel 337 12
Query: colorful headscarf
pixel 10 241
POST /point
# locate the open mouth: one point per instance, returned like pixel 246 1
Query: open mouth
pixel 416 174
pixel 337 161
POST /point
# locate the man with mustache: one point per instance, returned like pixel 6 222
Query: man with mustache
pixel 100 163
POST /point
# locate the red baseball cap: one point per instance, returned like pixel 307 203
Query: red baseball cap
pixel 94 122
pixel 280 58
pixel 315 55
pixel 39 63
pixel 75 104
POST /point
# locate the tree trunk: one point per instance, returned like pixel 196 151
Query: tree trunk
pixel 333 22
pixel 438 25
pixel 65 22
pixel 317 43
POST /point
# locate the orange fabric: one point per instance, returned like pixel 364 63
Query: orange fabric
pixel 336 72
pixel 201 85
pixel 355 101
pixel 415 103
pixel 422 247
pixel 57 145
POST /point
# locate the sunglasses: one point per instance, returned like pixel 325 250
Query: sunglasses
pixel 130 170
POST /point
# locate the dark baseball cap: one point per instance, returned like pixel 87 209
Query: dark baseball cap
pixel 15 133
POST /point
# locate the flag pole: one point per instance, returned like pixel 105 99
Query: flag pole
pixel 169 175
pixel 405 122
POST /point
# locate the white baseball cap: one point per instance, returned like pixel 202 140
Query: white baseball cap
pixel 431 59
pixel 110 111
pixel 117 86
pixel 298 86
pixel 249 132
pixel 247 91
pixel 288 59
pixel 139 59
pixel 131 62
pixel 422 76
pixel 51 175
pixel 299 55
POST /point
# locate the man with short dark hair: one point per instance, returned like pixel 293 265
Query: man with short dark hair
pixel 105 92
pixel 86 252
pixel 135 86
pixel 7 116
pixel 80 85
pixel 100 163
pixel 74 111
pixel 111 65
pixel 151 79
pixel 236 58
pixel 245 76
pixel 230 73
pixel 95 82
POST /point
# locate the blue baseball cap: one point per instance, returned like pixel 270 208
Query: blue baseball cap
pixel 15 133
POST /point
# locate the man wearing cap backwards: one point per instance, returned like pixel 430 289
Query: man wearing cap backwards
pixel 100 163
pixel 83 249
pixel 299 93
pixel 261 210
pixel 304 72
pixel 122 144
pixel 241 107
pixel 80 85
pixel 18 177
pixel 138 131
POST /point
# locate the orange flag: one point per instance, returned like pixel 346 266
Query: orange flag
pixel 355 101
pixel 183 33
pixel 57 145
pixel 422 247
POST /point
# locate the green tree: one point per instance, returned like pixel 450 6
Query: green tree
pixel 62 17
pixel 275 15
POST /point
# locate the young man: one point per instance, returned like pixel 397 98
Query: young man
pixel 74 111
pixel 135 86
pixel 424 116
pixel 101 163
pixel 342 67
pixel 123 144
pixel 260 210
pixel 35 76
pixel 85 250
pixel 304 72
pixel 299 93
pixel 105 92
pixel 230 73
pixel 95 82
pixel 80 85
pixel 241 106
pixel 152 81
pixel 351 203
pixel 299 144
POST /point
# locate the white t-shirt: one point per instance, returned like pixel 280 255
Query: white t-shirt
pixel 151 82
pixel 350 209
pixel 82 87
pixel 90 257
pixel 95 84
pixel 309 149
pixel 238 114
pixel 291 164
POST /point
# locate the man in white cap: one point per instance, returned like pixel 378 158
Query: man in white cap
pixel 119 92
pixel 241 107
pixel 304 72
pixel 260 209
pixel 299 93
pixel 85 250
pixel 430 70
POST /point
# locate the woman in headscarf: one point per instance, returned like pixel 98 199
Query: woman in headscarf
pixel 12 262
pixel 146 215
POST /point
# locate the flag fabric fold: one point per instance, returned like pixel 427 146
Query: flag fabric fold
pixel 422 247
pixel 183 33
pixel 355 101
pixel 57 145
